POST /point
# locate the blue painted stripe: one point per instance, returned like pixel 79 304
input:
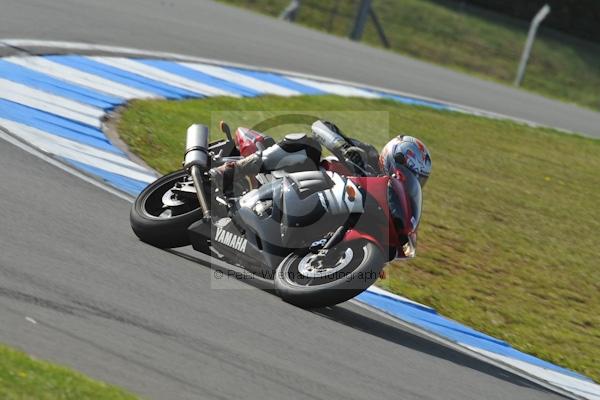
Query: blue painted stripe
pixel 124 77
pixel 128 185
pixel 454 331
pixel 432 317
pixel 56 125
pixel 46 83
pixel 277 79
pixel 189 73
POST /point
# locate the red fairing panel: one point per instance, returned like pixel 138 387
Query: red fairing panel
pixel 246 139
pixel 353 234
pixel 376 187
pixel 388 233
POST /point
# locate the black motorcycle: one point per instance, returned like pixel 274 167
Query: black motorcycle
pixel 322 236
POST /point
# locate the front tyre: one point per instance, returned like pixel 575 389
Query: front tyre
pixel 160 217
pixel 309 280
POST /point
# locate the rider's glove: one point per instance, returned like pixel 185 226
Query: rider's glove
pixel 369 155
pixel 356 155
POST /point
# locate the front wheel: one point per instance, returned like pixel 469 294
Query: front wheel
pixel 311 280
pixel 160 216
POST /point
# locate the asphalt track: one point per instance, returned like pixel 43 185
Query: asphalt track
pixel 148 320
pixel 214 30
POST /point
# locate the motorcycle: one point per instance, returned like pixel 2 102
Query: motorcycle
pixel 322 235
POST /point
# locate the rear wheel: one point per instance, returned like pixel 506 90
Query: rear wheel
pixel 160 216
pixel 311 280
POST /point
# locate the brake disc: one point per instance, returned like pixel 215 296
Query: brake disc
pixel 312 265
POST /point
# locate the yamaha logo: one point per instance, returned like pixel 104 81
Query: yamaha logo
pixel 229 239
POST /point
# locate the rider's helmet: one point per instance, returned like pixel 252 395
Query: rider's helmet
pixel 406 152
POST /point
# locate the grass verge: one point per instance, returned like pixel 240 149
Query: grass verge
pixel 464 38
pixel 23 377
pixel 511 225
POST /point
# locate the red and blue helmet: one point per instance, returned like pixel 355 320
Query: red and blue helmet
pixel 406 152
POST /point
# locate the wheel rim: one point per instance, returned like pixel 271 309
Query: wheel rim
pixel 297 272
pixel 314 266
pixel 163 203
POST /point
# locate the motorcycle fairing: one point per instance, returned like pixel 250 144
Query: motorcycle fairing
pixel 375 222
pixel 227 239
pixel 293 212
pixel 393 207
pixel 344 196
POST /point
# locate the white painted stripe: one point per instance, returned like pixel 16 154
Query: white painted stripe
pixel 64 45
pixel 241 79
pixel 85 154
pixel 335 88
pixel 382 292
pixel 44 101
pixel 580 387
pixel 78 77
pixel 162 76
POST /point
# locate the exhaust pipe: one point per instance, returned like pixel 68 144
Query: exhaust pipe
pixel 195 161
pixel 196 147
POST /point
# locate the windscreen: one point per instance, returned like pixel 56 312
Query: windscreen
pixel 405 202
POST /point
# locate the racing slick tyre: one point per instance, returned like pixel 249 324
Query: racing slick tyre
pixel 309 280
pixel 161 217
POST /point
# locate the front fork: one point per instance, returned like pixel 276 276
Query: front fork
pixel 344 233
pixel 197 177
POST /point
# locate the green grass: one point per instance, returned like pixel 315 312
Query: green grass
pixel 470 40
pixel 510 238
pixel 23 377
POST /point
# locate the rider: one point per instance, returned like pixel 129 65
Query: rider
pixel 299 152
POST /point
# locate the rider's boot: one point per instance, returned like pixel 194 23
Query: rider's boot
pixel 223 176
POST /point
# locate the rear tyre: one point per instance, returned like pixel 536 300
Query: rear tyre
pixel 159 224
pixel 308 282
